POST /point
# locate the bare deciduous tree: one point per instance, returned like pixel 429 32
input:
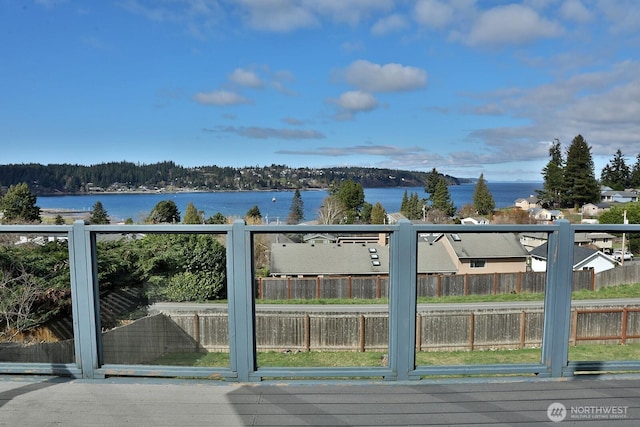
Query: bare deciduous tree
pixel 19 291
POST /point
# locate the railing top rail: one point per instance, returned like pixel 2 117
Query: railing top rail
pixel 30 228
pixel 161 228
pixel 621 228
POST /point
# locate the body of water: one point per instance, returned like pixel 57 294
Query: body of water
pixel 273 205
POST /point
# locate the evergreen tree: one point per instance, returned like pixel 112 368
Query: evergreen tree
pixel 441 199
pixel 616 173
pixel 351 195
pixel 19 205
pixel 217 218
pixel 378 214
pixel 634 180
pixel 191 215
pixel 365 213
pixel 482 198
pixel 98 214
pixel 296 211
pixel 554 192
pixel 59 220
pixel 432 181
pixel 253 215
pixel 579 174
pixel 404 204
pixel 412 206
pixel 165 211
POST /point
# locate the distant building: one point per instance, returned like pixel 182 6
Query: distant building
pixel 530 202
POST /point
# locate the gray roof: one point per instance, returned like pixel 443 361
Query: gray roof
pixel 434 258
pixel 328 259
pixel 580 253
pixel 486 245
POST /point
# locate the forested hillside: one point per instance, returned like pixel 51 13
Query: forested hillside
pixel 127 176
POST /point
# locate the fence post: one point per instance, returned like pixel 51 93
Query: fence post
pixel 402 299
pixel 557 299
pixel 85 303
pixel 241 304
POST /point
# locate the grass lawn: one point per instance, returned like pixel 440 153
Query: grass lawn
pixel 372 358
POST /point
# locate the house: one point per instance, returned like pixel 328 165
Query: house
pixel 614 196
pixel 476 253
pixel 591 209
pixel 475 220
pixel 599 241
pixel 542 215
pixel 530 202
pixel 584 258
pixel 531 240
pixel 438 253
pixel 328 259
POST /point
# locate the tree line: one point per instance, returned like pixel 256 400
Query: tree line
pixel 128 176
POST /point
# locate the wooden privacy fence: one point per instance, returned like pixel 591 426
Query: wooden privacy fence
pixel 371 287
pixel 146 339
pixel 436 329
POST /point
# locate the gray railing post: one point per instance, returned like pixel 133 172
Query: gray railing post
pixel 241 304
pixel 402 300
pixel 557 307
pixel 84 298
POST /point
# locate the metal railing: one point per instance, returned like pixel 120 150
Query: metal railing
pixel 403 248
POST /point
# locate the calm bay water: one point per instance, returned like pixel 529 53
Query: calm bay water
pixel 137 206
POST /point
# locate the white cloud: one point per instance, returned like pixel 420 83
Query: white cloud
pixel 277 15
pixel 389 24
pixel 574 10
pixel 370 77
pixel 245 78
pixel 357 101
pixel 433 13
pixel 220 97
pixel 257 132
pixel 511 24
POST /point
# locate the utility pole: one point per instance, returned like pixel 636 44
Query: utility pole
pixel 625 221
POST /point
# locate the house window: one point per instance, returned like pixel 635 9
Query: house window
pixel 478 263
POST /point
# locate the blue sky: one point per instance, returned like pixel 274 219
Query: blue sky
pixel 467 87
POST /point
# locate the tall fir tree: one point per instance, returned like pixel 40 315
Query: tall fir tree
pixel 634 180
pixel 554 191
pixel 482 197
pixel 296 211
pixel 616 173
pixel 579 174
pixel 99 214
pixel 441 199
pixel 432 181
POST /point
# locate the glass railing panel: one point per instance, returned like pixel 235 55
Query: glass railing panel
pixel 36 323
pixel 605 314
pixel 163 299
pixel 480 298
pixel 321 300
